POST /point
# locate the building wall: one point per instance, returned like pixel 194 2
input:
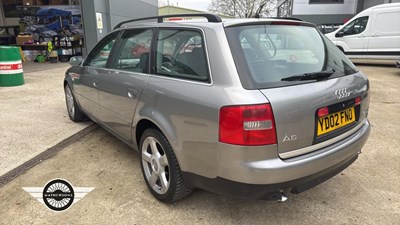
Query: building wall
pixel 370 3
pixel 329 13
pixel 337 13
pixel 89 24
pixel 326 19
pixel 112 12
pixel 166 10
pixel 121 10
pixel 302 7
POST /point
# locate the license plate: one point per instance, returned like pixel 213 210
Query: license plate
pixel 335 121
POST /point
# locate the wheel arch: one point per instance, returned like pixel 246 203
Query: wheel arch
pixel 143 125
pixel 68 80
pixel 160 124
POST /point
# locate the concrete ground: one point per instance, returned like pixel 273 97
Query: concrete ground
pixel 365 193
pixel 34 67
pixel 33 116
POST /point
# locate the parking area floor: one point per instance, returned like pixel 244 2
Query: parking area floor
pixel 365 193
pixel 33 116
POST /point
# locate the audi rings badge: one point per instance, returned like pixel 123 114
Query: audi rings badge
pixel 342 93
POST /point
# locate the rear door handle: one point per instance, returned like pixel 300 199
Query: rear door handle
pixel 132 93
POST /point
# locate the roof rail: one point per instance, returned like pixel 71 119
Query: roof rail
pixel 210 17
pixel 286 18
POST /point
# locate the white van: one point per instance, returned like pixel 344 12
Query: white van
pixel 372 34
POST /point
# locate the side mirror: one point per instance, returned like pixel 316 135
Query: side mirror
pixel 339 34
pixel 76 61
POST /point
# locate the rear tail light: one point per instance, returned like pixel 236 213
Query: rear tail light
pixel 247 125
pixel 357 101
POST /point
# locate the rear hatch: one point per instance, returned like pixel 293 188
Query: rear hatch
pixel 317 95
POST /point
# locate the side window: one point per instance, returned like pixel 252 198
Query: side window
pixel 134 55
pixel 99 55
pixel 181 54
pixel 357 26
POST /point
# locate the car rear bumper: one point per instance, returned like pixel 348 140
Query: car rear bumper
pixel 265 191
pixel 244 172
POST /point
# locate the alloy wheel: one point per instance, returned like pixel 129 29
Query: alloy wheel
pixel 155 165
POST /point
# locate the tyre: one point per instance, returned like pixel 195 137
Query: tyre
pixel 160 168
pixel 74 112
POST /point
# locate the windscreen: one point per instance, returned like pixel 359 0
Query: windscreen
pixel 265 54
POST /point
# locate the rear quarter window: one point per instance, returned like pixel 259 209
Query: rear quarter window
pixel 181 54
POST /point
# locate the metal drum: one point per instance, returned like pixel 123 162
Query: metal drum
pixel 11 73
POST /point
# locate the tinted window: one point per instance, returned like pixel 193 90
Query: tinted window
pixel 134 55
pixel 357 26
pixel 264 54
pixel 99 55
pixel 181 54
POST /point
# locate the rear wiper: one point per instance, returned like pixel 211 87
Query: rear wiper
pixel 311 76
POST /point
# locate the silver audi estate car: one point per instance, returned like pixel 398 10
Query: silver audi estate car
pixel 250 108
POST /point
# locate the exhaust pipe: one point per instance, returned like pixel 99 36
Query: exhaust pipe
pixel 282 198
pixel 278 196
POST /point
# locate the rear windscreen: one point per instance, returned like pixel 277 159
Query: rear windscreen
pixel 264 54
